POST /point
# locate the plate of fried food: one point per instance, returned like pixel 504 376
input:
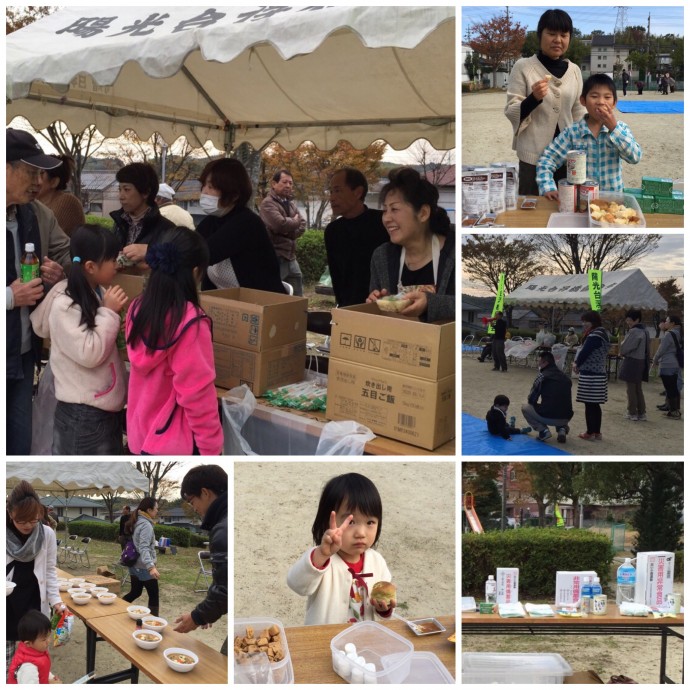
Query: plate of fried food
pixel 615 211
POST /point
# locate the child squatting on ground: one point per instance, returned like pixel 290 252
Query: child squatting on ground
pixel 30 664
pixel 339 574
pixel 496 419
pixel 605 140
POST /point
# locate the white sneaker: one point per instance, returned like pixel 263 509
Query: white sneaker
pixel 631 417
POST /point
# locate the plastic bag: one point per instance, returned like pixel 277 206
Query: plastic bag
pixel 61 624
pixel 234 417
pixel 43 414
pixel 343 438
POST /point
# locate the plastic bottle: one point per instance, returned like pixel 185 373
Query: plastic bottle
pixel 596 587
pixel 586 594
pixel 625 579
pixel 31 267
pixel 490 590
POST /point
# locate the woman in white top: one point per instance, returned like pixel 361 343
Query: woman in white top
pixel 543 97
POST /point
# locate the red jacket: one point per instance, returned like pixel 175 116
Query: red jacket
pixel 26 655
pixel 172 402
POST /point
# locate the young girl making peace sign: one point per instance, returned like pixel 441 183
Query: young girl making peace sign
pixel 339 573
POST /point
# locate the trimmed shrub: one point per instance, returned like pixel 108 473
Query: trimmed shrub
pixel 311 255
pixel 539 553
pixel 108 532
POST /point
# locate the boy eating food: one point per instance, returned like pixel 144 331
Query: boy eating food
pixel 605 140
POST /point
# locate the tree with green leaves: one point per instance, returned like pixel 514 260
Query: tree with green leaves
pixel 498 40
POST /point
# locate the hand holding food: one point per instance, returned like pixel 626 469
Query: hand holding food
pixel 382 596
pixel 376 295
pixel 418 303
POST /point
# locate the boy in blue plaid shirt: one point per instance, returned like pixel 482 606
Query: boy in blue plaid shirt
pixel 605 140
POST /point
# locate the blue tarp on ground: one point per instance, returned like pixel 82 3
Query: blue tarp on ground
pixel 476 440
pixel 660 107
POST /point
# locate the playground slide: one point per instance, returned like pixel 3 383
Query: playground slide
pixel 471 513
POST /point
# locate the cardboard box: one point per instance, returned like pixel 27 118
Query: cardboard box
pixel 658 186
pixel 405 408
pixel 569 585
pixel 364 335
pixel 261 371
pixel 583 678
pixel 131 284
pixel 507 585
pixel 254 319
pixel 653 577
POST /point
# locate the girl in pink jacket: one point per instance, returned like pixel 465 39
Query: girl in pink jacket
pixel 172 408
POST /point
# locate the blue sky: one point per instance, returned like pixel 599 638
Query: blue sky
pixel 665 262
pixel 665 19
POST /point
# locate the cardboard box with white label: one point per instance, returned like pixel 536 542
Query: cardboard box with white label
pixel 653 577
pixel 569 585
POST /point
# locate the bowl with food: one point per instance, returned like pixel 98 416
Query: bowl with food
pixel 393 303
pixel 147 639
pixel 615 210
pixel 81 599
pixel 180 660
pixel 76 581
pixel 64 585
pixel 106 598
pixel 88 586
pixel 75 590
pixel 9 587
pixel 154 623
pixel 135 612
pixel 99 590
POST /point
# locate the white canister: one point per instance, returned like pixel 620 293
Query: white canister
pixel 599 605
pixel 673 601
pixel 576 165
pixel 567 197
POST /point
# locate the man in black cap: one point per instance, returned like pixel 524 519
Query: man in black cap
pixel 28 222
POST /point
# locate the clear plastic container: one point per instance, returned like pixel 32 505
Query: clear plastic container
pixel 568 220
pixel 390 654
pixel 427 669
pixel 627 200
pixel 281 670
pixel 488 667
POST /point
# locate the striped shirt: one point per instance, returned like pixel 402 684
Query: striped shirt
pixel 604 154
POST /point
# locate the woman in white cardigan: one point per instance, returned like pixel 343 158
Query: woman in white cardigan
pixel 543 97
pixel 30 558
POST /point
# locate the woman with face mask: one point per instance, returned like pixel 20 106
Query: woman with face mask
pixel 240 250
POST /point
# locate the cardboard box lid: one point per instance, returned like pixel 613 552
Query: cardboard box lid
pixel 403 344
pixel 255 319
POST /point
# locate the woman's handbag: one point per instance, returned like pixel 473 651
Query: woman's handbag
pixel 129 554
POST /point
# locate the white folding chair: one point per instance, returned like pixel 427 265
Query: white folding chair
pixel 204 558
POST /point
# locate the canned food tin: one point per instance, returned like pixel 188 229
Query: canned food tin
pixel 599 605
pixel 589 190
pixel 566 197
pixel 576 165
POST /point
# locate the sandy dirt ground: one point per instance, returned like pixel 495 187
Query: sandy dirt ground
pixel 487 135
pixel 275 506
pixel 69 661
pixel 658 436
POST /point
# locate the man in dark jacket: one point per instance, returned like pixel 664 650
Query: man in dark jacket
pixel 556 406
pixel 205 488
pixel 498 344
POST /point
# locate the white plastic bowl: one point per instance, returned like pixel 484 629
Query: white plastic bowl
pixel 175 665
pixel 75 590
pixel 87 585
pixel 147 622
pixel 64 585
pixel 99 590
pixel 145 644
pixel 135 612
pixel 106 598
pixel 9 587
pixel 82 599
pixel 77 580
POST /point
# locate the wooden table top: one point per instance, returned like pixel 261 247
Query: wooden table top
pixel 377 446
pixel 93 608
pixel 117 630
pixel 612 617
pixel 310 648
pixel 539 217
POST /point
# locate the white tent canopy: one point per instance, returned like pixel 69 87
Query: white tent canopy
pixel 82 478
pixel 235 74
pixel 629 289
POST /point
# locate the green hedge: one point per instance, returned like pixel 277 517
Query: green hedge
pixel 539 553
pixel 678 566
pixel 106 222
pixel 108 532
pixel 311 255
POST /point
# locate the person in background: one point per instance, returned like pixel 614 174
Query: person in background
pixel 138 222
pixel 635 368
pixel 498 343
pixel 205 488
pixel 52 192
pixel 543 97
pixel 240 250
pixel 640 86
pixel 170 210
pixel 670 359
pixel 27 221
pixel 285 225
pixel 420 255
pixel 625 78
pixel 351 237
pixel 31 662
pixel 124 519
pixel 497 421
pixel 571 339
pixel 143 573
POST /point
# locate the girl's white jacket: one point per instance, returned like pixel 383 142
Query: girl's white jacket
pixel 328 590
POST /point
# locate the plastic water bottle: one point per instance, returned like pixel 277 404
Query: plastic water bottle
pixel 490 590
pixel 596 588
pixel 625 590
pixel 586 594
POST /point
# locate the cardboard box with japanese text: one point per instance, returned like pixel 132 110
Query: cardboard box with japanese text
pixel 653 577
pixel 507 585
pixel 569 585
